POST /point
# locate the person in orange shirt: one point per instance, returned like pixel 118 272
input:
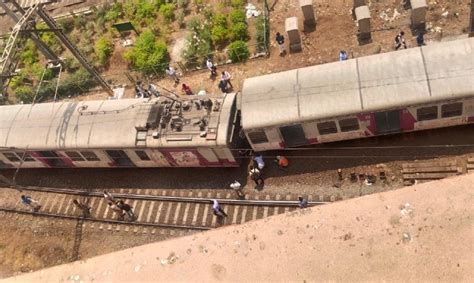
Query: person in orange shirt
pixel 282 161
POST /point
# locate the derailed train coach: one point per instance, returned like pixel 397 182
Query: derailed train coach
pixel 159 132
pixel 403 91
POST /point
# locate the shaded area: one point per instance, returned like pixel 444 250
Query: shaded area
pixel 313 160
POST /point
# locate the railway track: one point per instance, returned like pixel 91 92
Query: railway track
pixel 155 211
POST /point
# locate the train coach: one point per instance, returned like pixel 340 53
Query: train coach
pixel 403 91
pixel 160 132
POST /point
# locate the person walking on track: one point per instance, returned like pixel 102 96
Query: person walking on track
pixel 31 203
pixel 109 198
pixel 86 210
pixel 237 187
pixel 302 202
pixel 217 209
pixel 127 208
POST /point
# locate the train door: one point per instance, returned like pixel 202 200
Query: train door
pixel 387 122
pixel 120 157
pixel 293 135
pixel 52 159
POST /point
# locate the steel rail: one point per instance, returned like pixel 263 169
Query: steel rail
pixel 287 203
pixel 108 221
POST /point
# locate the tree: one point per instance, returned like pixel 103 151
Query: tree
pixel 238 51
pixel 148 54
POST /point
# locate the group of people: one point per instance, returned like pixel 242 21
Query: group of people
pixel 256 173
pixel 119 207
pixel 224 83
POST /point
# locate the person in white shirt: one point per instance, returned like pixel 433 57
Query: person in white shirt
pixel 225 76
pixel 172 73
pixel 237 187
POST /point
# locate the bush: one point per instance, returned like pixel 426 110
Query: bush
pixel 237 3
pixel 104 48
pixel 72 85
pixel 239 32
pixel 167 11
pixel 24 94
pixel 145 9
pixel 198 42
pixel 50 39
pixel 237 16
pixel 114 13
pixel 183 4
pixel 80 22
pixel 238 51
pixel 219 19
pixel 148 54
pixel 66 24
pixel 29 55
pixel 219 35
pixel 180 18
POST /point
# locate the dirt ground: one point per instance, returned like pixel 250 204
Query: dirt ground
pixel 418 234
pixel 28 244
pixel 335 30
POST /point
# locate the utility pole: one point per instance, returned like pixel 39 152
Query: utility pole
pixel 471 20
pixel 25 23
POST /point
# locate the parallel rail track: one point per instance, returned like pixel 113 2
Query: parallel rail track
pixel 170 210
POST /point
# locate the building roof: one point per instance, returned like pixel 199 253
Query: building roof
pixel 419 233
pixel 390 80
pixel 113 124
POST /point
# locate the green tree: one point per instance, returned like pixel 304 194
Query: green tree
pixel 148 54
pixel 238 51
pixel 239 32
pixel 104 48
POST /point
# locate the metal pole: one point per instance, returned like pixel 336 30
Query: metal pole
pixel 69 45
pixel 471 20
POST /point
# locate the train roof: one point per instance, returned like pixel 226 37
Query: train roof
pixel 435 72
pixel 126 123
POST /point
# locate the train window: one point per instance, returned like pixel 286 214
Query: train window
pixel 11 156
pixel 74 155
pixel 326 128
pixel 427 113
pixel 257 137
pixel 451 110
pixel 90 156
pixel 25 156
pixel 142 155
pixel 347 125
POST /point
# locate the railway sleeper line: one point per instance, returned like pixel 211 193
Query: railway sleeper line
pixel 153 212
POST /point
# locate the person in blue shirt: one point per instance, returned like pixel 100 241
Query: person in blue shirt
pixel 28 201
pixel 343 55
